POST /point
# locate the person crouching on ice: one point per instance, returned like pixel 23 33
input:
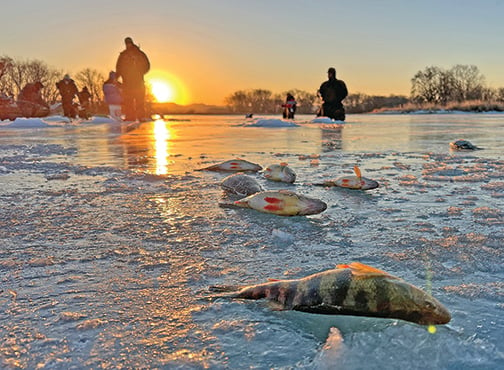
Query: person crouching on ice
pixel 30 101
pixel 289 107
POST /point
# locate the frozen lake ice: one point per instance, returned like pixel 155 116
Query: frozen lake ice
pixel 110 240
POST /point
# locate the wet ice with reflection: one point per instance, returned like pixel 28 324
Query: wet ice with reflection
pixel 106 267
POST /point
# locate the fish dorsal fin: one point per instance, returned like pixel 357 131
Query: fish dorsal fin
pixel 364 271
pixel 357 171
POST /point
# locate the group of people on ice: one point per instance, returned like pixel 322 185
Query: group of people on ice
pixel 127 97
pixel 122 97
pixel 332 92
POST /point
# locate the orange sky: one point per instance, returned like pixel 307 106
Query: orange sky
pixel 210 49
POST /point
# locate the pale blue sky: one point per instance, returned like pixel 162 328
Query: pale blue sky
pixel 215 47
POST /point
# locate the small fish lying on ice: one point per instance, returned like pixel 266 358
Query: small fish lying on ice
pixel 233 165
pixel 352 182
pixel 463 145
pixel 240 184
pixel 354 289
pixel 282 203
pixel 280 172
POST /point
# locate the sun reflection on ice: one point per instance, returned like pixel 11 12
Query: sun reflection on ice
pixel 161 137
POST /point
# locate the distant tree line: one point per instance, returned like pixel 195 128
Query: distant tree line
pixel 458 84
pixel 265 102
pixel 433 85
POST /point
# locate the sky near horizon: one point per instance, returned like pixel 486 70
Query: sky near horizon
pixel 209 49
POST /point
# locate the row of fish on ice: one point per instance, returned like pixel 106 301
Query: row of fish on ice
pixel 349 289
pixel 280 202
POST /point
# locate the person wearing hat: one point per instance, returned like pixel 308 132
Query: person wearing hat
pixel 85 102
pixel 289 108
pixel 132 64
pixel 332 92
pixel 112 91
pixel 68 90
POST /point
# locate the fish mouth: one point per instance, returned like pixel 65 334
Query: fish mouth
pixel 289 178
pixel 312 206
pixel 439 317
pixel 370 184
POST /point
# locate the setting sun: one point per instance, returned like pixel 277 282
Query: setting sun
pixel 166 88
pixel 162 92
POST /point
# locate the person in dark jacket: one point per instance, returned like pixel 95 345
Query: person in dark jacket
pixel 68 90
pixel 30 101
pixel 131 67
pixel 289 108
pixel 112 91
pixel 85 102
pixel 333 91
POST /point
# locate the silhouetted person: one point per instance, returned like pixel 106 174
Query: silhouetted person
pixel 289 107
pixel 131 66
pixel 85 102
pixel 112 91
pixel 67 90
pixel 333 91
pixel 30 101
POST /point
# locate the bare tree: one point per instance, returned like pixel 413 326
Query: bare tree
pixel 426 84
pixel 94 80
pixel 436 85
pixel 238 102
pixel 5 65
pixel 469 83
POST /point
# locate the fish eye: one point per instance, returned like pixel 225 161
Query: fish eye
pixel 429 305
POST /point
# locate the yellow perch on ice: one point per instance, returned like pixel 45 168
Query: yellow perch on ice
pixel 233 165
pixel 354 289
pixel 282 203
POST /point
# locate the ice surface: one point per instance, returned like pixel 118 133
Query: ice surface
pixel 110 240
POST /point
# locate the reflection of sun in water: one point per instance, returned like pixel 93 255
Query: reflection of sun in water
pixel 162 91
pixel 161 137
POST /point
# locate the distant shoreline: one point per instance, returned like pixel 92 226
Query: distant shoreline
pixel 410 108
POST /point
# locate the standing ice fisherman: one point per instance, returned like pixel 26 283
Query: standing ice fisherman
pixel 131 66
pixel 68 90
pixel 333 91
pixel 85 102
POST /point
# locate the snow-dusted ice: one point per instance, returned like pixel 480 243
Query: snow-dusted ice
pixel 110 240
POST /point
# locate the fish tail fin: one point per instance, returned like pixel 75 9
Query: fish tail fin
pixel 223 291
pixel 224 288
pixel 241 203
pixel 210 168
